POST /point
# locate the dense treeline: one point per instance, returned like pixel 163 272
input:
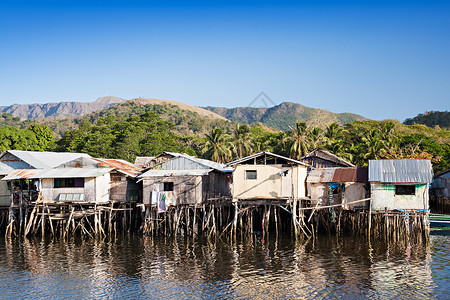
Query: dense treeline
pixel 113 135
pixel 430 119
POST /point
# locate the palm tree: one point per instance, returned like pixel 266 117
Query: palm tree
pixel 333 132
pixel 373 144
pixel 217 146
pixel 315 137
pixel 299 145
pixel 242 141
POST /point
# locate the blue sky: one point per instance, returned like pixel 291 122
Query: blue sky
pixel 380 59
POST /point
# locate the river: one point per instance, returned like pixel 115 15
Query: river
pixel 165 268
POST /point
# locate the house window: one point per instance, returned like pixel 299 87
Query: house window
pixel 168 186
pixel 250 174
pixel 405 189
pixel 68 182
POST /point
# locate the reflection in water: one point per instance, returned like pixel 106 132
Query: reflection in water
pixel 137 267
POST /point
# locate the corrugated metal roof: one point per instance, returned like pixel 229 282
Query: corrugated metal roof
pixel 165 173
pixel 445 174
pixel 344 174
pixel 321 175
pixel 57 173
pixel 44 160
pixel 120 165
pixel 22 174
pixel 241 160
pixel 190 163
pixel 353 174
pixel 5 169
pixel 400 171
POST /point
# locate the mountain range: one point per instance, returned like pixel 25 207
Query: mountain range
pixel 281 117
pixel 55 109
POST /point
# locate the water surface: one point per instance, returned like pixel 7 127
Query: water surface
pixel 166 268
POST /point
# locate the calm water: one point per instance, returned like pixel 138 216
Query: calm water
pixel 139 267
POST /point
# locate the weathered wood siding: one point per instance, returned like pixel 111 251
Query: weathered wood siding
pixel 188 189
pixel 216 185
pixel 5 194
pixel 269 184
pixel 441 186
pixel 123 190
pixel 383 196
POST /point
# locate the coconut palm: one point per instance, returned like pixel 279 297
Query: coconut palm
pixel 315 137
pixel 300 142
pixel 241 140
pixel 217 147
pixel 372 144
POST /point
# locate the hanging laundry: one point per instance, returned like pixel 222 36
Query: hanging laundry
pixel 162 203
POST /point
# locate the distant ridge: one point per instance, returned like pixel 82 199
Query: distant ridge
pixel 37 110
pixel 199 110
pixel 285 115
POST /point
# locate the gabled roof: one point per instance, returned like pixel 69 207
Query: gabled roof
pixel 118 165
pixel 142 161
pixel 325 155
pixel 187 162
pixel 43 160
pixel 400 171
pixel 347 174
pixel 445 173
pixel 121 166
pixel 265 154
pixel 57 173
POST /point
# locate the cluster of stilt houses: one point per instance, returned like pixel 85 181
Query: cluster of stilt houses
pixel 178 194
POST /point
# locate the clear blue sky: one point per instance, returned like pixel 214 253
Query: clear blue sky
pixel 380 59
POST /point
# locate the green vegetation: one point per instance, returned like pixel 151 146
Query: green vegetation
pixel 285 115
pixel 430 119
pixel 36 138
pixel 119 137
pixel 130 129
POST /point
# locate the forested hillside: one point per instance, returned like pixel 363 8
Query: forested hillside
pixel 137 128
pixel 285 115
pixel 430 119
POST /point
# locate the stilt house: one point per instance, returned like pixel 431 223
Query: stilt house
pixel 400 184
pixel 328 186
pixel 24 188
pixel 185 180
pixel 268 176
pixel 441 184
pixel 83 180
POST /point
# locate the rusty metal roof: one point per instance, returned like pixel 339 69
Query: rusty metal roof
pixel 321 175
pixel 354 174
pixel 350 174
pixel 22 174
pixel 400 171
pixel 57 173
pixel 120 165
